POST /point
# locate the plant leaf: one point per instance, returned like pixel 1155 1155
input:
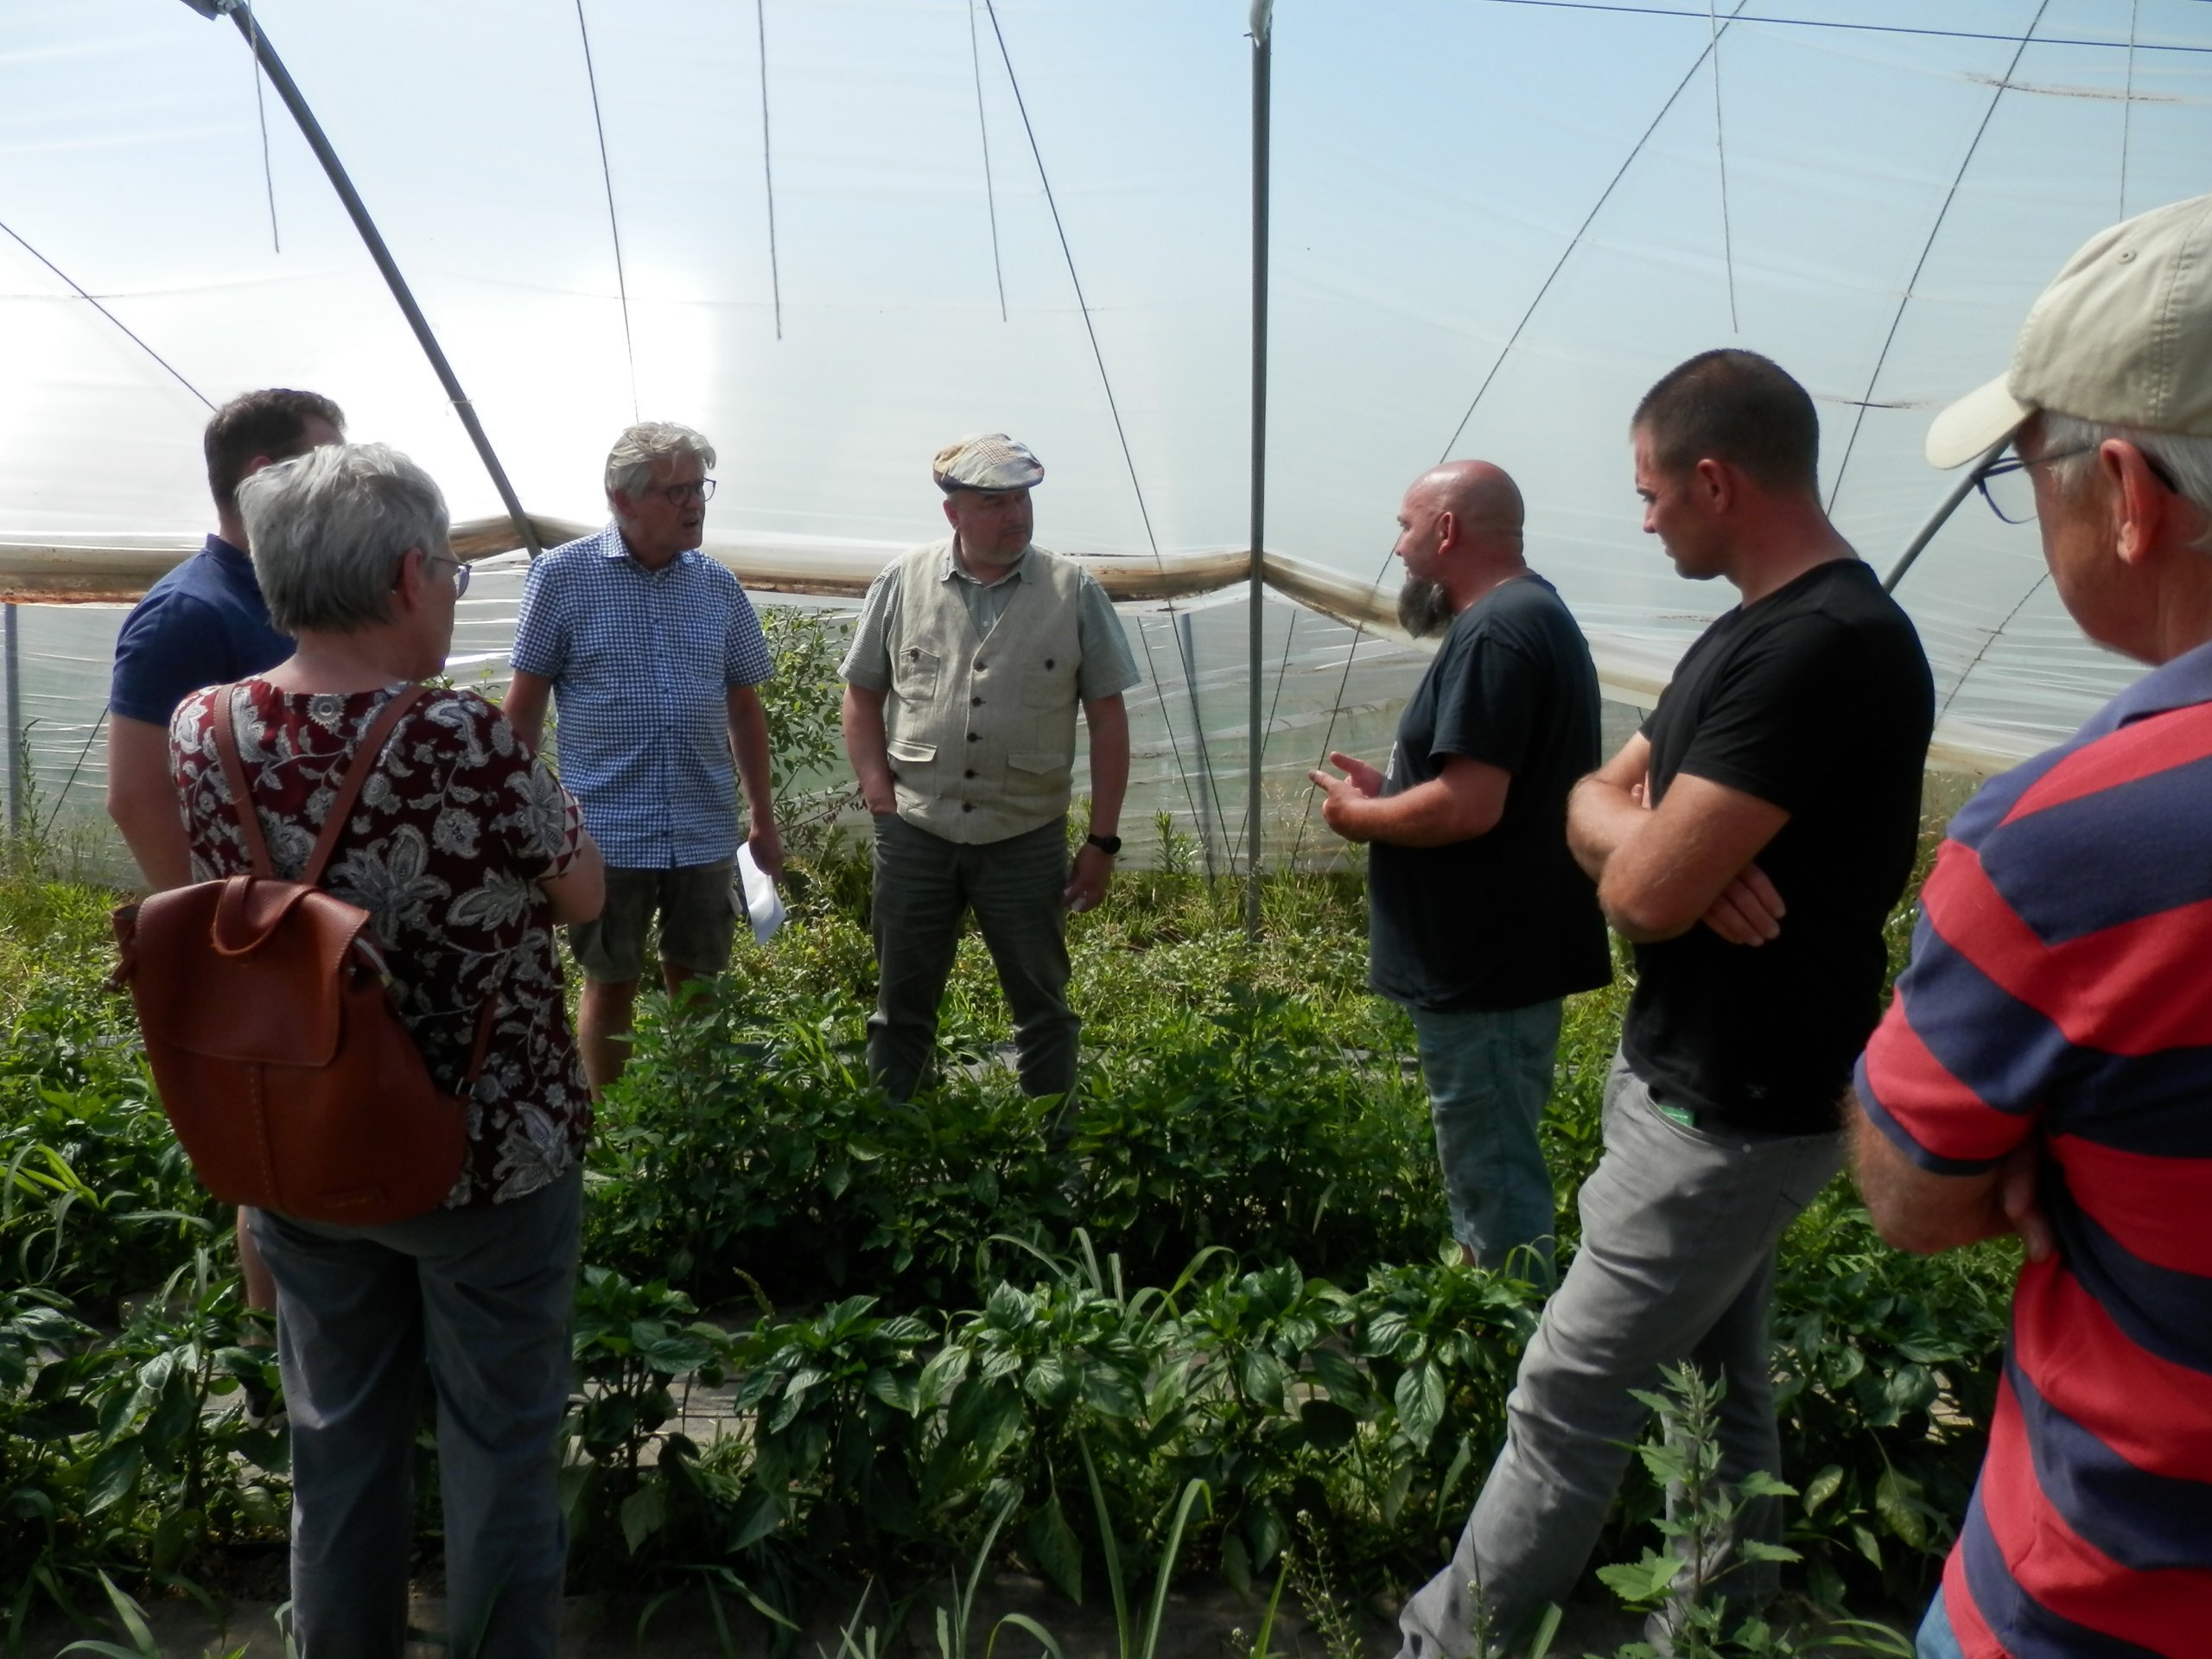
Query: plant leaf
pixel 1051 1543
pixel 644 1513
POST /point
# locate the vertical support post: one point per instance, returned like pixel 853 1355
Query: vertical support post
pixel 1262 65
pixel 13 711
pixel 1186 646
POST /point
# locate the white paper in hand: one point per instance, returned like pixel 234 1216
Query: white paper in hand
pixel 755 894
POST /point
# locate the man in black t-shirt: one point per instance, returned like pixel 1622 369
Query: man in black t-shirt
pixel 1479 919
pixel 1750 841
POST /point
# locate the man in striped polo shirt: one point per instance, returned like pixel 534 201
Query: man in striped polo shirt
pixel 655 652
pixel 2046 1066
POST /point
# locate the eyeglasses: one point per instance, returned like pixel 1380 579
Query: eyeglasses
pixel 681 495
pixel 2010 489
pixel 460 571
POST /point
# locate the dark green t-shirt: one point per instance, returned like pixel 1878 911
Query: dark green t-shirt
pixel 1506 918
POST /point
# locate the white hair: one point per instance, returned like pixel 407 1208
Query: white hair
pixel 630 463
pixel 2187 460
pixel 328 530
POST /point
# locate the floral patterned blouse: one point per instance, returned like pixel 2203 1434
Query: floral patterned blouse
pixel 448 839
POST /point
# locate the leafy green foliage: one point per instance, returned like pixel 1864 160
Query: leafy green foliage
pixel 805 742
pixel 1202 1316
pixel 1886 1376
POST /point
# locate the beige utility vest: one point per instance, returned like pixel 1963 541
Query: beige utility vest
pixel 981 727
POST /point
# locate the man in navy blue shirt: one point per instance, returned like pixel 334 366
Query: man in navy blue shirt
pixel 203 624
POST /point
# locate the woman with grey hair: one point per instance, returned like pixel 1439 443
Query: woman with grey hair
pixel 465 849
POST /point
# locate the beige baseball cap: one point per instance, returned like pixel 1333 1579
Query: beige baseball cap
pixel 2123 336
pixel 987 460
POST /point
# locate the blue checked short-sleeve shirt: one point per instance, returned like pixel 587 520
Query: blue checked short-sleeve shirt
pixel 642 663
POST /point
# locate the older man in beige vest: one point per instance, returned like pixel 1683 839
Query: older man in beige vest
pixel 970 659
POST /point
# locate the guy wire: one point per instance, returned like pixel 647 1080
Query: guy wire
pixel 1897 318
pixel 78 291
pixel 1990 639
pixel 1359 628
pixel 1720 150
pixel 2128 102
pixel 982 126
pixel 767 172
pixel 1112 408
pixel 613 226
pixel 261 114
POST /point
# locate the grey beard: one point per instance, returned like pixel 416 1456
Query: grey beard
pixel 1424 608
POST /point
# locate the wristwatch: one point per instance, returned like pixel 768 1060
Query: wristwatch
pixel 1110 845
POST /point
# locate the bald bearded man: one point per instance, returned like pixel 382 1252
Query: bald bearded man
pixel 1479 920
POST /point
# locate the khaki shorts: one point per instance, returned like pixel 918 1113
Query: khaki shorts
pixel 697 922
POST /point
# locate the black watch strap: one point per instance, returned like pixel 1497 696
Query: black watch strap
pixel 1110 845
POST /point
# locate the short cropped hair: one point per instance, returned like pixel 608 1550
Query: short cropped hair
pixel 1737 407
pixel 2187 460
pixel 328 530
pixel 630 463
pixel 272 423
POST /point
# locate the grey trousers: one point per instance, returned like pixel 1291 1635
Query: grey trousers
pixel 1679 1227
pixel 484 1296
pixel 923 884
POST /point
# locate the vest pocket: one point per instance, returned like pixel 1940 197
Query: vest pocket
pixel 913 674
pixel 1042 761
pixel 1050 683
pixel 906 751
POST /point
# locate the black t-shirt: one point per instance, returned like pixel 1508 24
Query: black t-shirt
pixel 1506 918
pixel 1816 699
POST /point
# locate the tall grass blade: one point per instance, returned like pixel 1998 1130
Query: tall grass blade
pixel 1029 1627
pixel 1112 1551
pixel 1193 1493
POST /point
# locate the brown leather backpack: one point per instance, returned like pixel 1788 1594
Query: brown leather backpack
pixel 283 1064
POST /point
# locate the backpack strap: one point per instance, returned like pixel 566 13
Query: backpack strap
pixel 357 775
pixel 484 1023
pixel 333 825
pixel 225 725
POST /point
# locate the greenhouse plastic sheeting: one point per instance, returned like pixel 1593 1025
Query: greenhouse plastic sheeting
pixel 1340 688
pixel 849 232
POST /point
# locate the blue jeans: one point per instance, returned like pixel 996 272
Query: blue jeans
pixel 484 1296
pixel 1937 1639
pixel 1489 1073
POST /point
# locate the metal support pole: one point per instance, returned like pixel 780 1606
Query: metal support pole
pixel 14 715
pixel 273 66
pixel 1944 509
pixel 1263 50
pixel 1186 643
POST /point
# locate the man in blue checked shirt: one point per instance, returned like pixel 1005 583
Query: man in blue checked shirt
pixel 655 652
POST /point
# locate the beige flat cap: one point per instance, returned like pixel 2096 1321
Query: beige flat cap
pixel 987 460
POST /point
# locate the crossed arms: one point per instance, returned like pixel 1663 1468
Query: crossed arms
pixel 1661 870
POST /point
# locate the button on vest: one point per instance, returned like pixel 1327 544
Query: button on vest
pixel 1016 747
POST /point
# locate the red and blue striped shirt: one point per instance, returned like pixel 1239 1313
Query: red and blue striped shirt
pixel 2061 992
